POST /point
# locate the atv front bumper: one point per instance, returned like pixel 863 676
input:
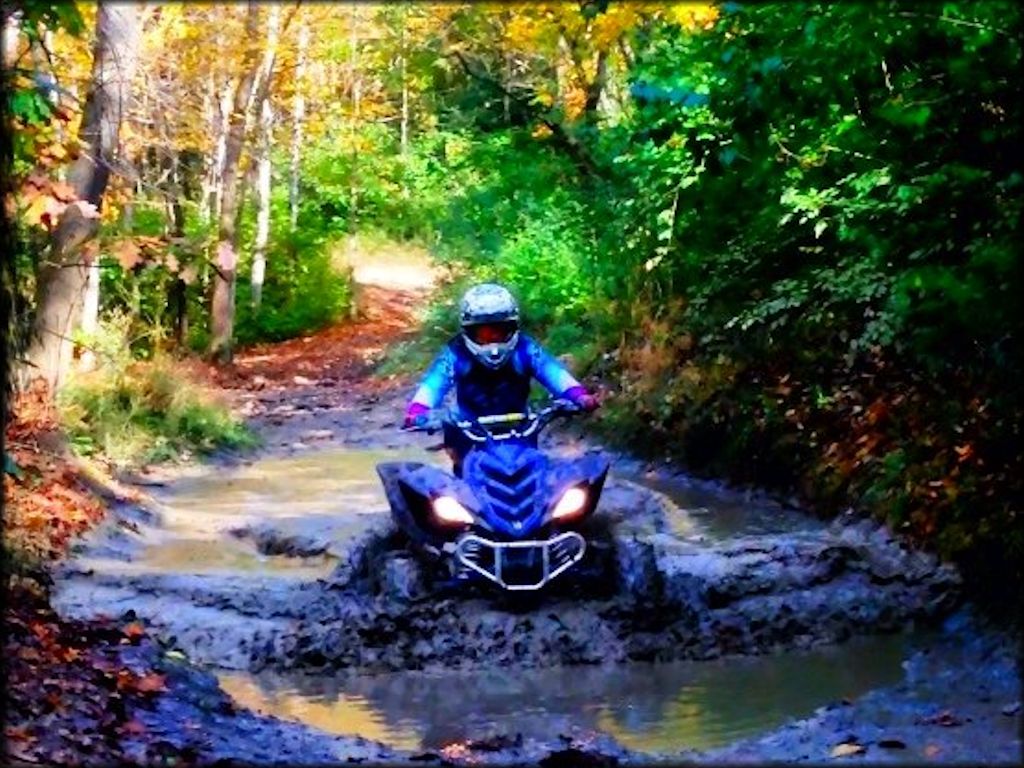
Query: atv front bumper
pixel 520 565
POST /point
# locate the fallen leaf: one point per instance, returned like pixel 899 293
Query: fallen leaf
pixel 846 750
pixel 18 733
pixel 28 653
pixel 945 718
pixel 151 683
pixel 932 750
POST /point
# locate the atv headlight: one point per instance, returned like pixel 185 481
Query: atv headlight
pixel 572 503
pixel 448 510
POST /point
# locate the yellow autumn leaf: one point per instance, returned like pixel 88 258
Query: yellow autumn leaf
pixel 43 211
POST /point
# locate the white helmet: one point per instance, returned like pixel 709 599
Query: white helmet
pixel 489 316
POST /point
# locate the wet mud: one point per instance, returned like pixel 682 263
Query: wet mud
pixel 288 568
pixel 334 590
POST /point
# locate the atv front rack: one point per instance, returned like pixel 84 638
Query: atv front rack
pixel 496 560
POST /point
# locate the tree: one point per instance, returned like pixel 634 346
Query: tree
pixel 63 275
pixel 222 307
pixel 264 142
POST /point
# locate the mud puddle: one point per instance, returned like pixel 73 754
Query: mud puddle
pixel 336 494
pixel 645 707
pixel 312 503
pixel 708 510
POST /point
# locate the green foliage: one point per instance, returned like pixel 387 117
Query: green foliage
pixel 345 191
pixel 304 287
pixel 300 295
pixel 794 200
pixel 820 198
pixel 135 412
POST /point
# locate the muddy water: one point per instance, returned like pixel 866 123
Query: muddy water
pixel 333 495
pixel 696 508
pixel 646 707
pixel 325 498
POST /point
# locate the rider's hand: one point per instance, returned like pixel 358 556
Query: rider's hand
pixel 415 415
pixel 582 398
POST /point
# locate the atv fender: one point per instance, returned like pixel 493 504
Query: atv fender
pixel 590 470
pixel 411 486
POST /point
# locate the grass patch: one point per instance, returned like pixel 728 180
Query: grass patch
pixel 147 411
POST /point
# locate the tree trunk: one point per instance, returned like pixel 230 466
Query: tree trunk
pixel 63 276
pixel 298 117
pixel 222 124
pixel 178 298
pixel 356 84
pixel 266 127
pixel 222 309
pixel 404 54
pixel 259 257
pixel 209 174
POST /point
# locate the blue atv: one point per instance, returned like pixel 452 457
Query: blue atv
pixel 516 518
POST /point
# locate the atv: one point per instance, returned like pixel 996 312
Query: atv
pixel 515 517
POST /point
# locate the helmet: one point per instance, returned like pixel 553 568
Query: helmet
pixel 489 316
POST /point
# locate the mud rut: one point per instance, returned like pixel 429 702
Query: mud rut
pixel 662 595
pixel 659 598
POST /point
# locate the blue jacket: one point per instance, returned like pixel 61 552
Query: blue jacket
pixel 483 391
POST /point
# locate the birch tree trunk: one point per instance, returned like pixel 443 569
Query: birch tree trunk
pixel 266 127
pixel 62 278
pixel 403 53
pixel 356 84
pixel 259 257
pixel 222 308
pixel 298 118
pixel 222 124
pixel 210 113
pixel 178 293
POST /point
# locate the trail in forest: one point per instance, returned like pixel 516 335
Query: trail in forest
pixel 320 388
pixel 257 568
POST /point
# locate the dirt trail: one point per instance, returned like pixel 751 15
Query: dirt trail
pixel 317 392
pixel 294 383
pixel 336 359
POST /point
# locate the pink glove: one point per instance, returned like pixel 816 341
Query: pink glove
pixel 413 414
pixel 582 398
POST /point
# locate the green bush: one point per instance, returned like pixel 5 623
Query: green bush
pixel 299 295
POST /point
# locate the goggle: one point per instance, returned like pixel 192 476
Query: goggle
pixel 492 333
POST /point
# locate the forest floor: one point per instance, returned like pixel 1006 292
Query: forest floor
pixel 86 692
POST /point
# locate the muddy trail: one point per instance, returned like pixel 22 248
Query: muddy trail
pixel 724 625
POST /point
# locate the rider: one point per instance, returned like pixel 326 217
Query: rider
pixel 491 364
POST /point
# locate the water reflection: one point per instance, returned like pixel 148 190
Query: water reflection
pixel 647 707
pixel 720 513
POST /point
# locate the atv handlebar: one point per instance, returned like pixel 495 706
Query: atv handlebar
pixel 477 429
